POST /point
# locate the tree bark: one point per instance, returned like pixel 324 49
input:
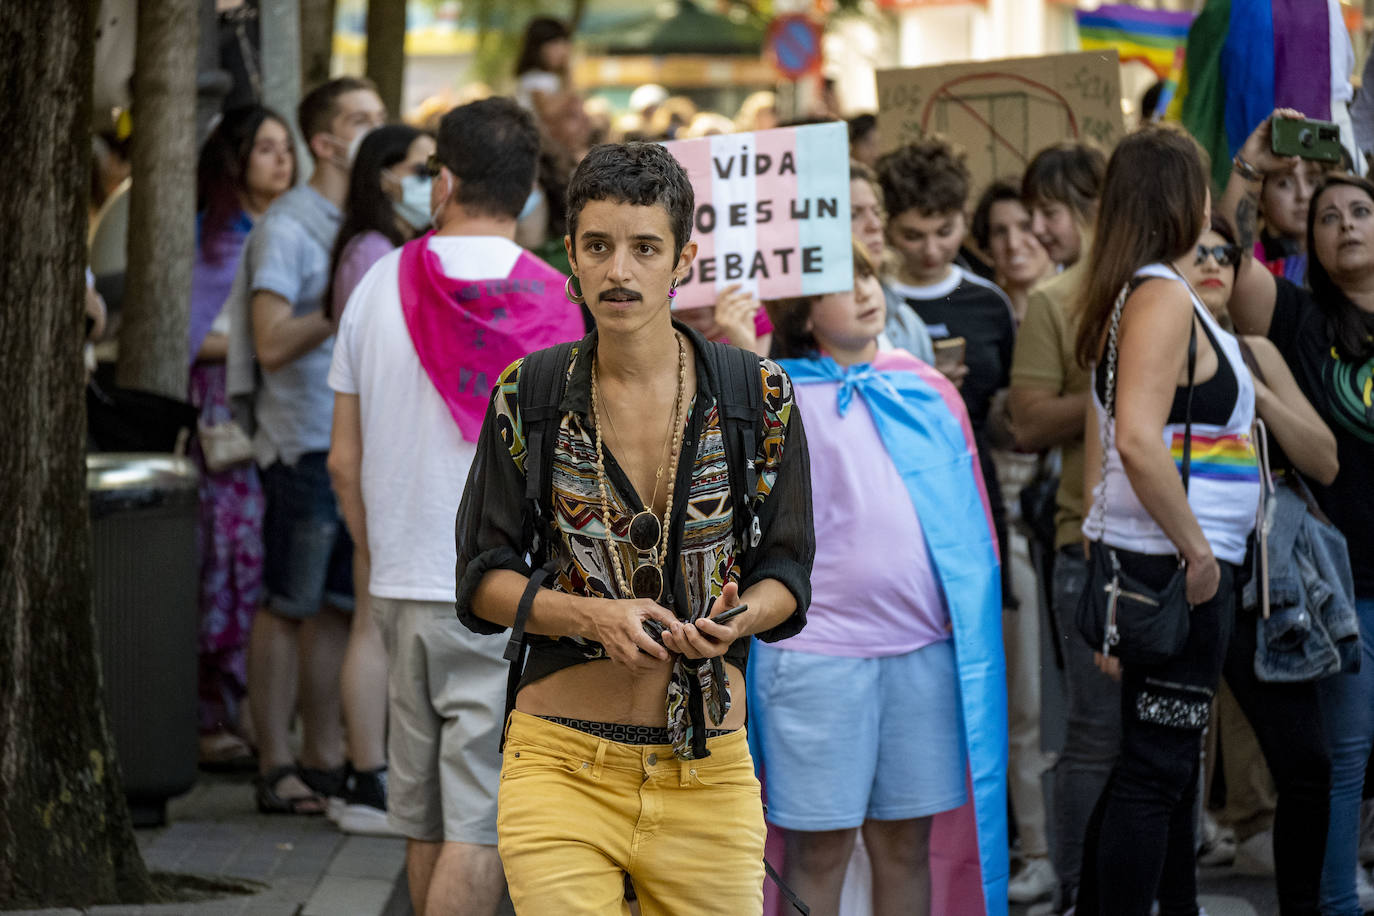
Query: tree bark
pixel 386 50
pixel 317 40
pixel 65 836
pixel 279 31
pixel 162 209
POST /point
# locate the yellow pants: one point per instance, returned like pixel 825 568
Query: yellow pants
pixel 576 813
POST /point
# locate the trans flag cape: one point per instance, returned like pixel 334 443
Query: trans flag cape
pixel 922 421
pixel 1247 57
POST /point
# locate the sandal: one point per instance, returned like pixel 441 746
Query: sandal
pixel 225 752
pixel 270 802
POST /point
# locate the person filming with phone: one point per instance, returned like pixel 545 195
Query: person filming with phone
pixel 653 478
pixel 1327 337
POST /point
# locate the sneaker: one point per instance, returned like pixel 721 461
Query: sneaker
pixel 364 805
pixel 1364 890
pixel 1219 851
pixel 329 784
pixel 1255 856
pixel 1036 881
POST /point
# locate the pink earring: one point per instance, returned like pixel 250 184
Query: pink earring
pixel 672 289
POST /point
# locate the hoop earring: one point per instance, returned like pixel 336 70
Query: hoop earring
pixel 567 290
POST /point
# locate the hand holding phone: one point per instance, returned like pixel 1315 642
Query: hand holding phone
pixel 655 629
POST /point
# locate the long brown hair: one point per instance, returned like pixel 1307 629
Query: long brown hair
pixel 1154 201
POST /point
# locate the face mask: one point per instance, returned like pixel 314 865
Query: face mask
pixel 434 214
pixel 350 149
pixel 413 207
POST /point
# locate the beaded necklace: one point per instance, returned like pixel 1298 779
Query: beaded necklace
pixel 661 550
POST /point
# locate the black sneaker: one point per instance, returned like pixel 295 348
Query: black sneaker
pixel 364 808
pixel 329 785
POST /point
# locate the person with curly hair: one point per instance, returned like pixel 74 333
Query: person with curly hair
pixel 926 187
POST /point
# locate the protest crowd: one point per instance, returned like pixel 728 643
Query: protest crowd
pixel 1025 517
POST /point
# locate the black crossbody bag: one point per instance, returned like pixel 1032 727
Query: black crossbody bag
pixel 1117 614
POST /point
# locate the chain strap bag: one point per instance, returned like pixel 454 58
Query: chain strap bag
pixel 1117 614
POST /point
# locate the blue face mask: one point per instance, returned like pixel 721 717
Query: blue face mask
pixel 413 207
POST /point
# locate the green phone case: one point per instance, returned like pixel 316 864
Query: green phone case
pixel 1309 139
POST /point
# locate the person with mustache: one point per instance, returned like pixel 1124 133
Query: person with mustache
pixel 625 752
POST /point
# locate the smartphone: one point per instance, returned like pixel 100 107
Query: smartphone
pixel 1320 140
pixel 729 613
pixel 949 353
pixel 655 629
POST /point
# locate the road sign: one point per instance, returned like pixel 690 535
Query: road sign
pixel 794 43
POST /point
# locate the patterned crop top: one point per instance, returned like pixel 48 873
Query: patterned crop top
pixel 491 526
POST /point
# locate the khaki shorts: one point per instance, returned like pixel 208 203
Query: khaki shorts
pixel 579 812
pixel 446 692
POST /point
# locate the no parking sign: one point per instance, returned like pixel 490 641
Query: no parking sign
pixel 794 43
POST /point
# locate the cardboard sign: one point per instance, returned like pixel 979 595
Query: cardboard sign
pixel 772 213
pixel 1003 112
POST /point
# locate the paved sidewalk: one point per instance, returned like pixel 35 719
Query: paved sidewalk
pixel 304 865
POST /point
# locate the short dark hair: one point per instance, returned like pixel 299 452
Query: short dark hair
pixel 492 147
pixel 1066 173
pixel 540 31
pixel 321 104
pixel 860 126
pixel 1222 227
pixel 981 226
pixel 634 173
pixel 928 176
pixel 791 338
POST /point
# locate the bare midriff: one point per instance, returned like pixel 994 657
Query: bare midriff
pixel 603 691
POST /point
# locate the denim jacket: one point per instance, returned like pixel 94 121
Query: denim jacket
pixel 1312 630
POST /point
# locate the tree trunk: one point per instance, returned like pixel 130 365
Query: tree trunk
pixel 65 837
pixel 279 31
pixel 579 8
pixel 317 40
pixel 162 210
pixel 386 50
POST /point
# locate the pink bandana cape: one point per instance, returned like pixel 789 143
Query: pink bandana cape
pixel 467 331
pixel 922 421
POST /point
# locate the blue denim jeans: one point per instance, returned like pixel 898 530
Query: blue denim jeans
pixel 1092 739
pixel 1347 702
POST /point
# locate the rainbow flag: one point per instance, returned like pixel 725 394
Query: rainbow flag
pixel 1246 57
pixel 1149 36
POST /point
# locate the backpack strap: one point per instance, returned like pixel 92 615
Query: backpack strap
pixel 736 372
pixel 539 391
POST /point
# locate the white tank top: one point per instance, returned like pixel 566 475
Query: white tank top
pixel 1224 484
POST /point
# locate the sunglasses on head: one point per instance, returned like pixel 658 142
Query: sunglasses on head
pixel 647 579
pixel 1225 255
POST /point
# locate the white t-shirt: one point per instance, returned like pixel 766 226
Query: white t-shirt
pixel 415 460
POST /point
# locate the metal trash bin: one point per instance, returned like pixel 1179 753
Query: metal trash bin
pixel 145 570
